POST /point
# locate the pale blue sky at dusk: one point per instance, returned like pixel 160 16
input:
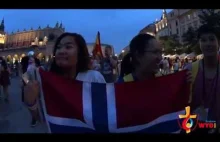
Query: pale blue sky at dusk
pixel 117 27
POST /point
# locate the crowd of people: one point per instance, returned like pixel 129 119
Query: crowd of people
pixel 168 65
pixel 144 61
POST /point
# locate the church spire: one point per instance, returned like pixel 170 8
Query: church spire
pixel 164 13
pixel 3 21
pixel 61 25
pixel 57 25
pixel 2 26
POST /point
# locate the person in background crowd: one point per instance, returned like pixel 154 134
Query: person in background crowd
pixel 142 62
pixel 176 66
pixel 206 90
pixel 161 66
pixel 24 66
pixel 194 59
pixel 170 64
pixel 166 66
pixel 71 61
pixel 107 65
pixel 25 62
pixel 115 69
pixel 179 62
pixel 16 68
pixel 185 63
pixel 182 63
pixel 96 63
pixel 5 79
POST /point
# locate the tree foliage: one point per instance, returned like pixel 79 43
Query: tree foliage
pixel 210 17
pixel 170 44
pixel 190 40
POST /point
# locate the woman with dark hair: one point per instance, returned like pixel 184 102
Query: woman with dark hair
pixel 142 62
pixel 71 60
pixel 5 79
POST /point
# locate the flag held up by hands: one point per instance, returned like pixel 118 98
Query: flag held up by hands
pixel 150 106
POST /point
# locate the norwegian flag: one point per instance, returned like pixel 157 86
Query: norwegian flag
pixel 150 106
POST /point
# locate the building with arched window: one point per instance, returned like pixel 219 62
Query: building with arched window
pixel 15 45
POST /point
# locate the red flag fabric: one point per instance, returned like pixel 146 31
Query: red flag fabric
pixel 97 50
pixel 150 106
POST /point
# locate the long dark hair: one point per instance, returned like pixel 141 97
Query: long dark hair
pixel 137 48
pixel 83 54
pixel 25 62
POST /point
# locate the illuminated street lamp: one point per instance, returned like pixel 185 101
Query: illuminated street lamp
pixel 122 51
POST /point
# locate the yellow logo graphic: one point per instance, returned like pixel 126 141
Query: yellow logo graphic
pixel 187 123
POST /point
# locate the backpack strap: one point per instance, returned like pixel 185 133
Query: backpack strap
pixel 128 78
pixel 195 69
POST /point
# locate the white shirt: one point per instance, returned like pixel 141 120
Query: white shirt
pixel 165 63
pixel 91 76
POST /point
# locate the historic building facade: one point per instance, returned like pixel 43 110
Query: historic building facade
pixel 177 22
pixel 162 25
pixel 17 44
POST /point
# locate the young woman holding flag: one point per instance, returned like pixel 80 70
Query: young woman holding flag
pixel 143 47
pixel 143 60
pixel 71 60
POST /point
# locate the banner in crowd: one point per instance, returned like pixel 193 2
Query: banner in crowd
pixel 149 106
pixel 97 49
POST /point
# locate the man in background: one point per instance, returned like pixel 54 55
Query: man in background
pixel 108 64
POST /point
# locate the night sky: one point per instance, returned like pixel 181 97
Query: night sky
pixel 117 27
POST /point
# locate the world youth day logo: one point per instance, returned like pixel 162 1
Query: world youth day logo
pixel 189 122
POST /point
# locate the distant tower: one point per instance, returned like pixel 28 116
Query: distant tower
pixel 2 34
pixel 61 25
pixel 164 14
pixel 2 26
pixel 57 25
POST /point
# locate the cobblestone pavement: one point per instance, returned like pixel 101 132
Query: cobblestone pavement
pixel 14 116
